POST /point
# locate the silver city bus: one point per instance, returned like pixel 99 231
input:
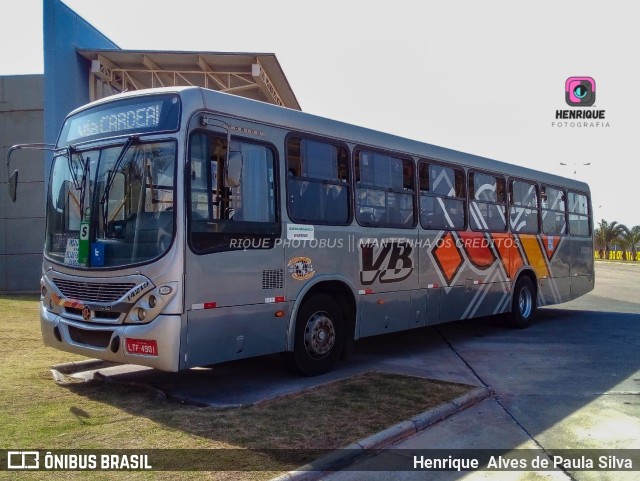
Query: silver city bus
pixel 187 227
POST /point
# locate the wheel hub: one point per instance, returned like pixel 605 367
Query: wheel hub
pixel 525 302
pixel 319 335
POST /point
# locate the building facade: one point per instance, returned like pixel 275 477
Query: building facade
pixel 22 223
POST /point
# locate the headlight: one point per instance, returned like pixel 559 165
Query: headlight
pixel 151 304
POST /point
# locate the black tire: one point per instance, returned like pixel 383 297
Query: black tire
pixel 524 303
pixel 319 336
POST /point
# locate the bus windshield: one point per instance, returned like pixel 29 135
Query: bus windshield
pixel 113 205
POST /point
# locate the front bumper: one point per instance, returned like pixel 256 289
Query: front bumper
pixel 108 342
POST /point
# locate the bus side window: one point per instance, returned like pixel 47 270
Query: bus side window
pixel 523 207
pixel 487 202
pixel 224 216
pixel 200 205
pixel 317 182
pixel 384 190
pixel 554 220
pixel 442 197
pixel 579 217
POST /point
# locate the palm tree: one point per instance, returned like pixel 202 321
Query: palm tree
pixel 630 239
pixel 607 233
pixel 598 236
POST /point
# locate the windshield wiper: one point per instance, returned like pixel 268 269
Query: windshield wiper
pixel 111 175
pixel 69 151
pixel 83 182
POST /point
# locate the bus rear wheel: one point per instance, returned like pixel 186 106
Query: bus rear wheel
pixel 319 335
pixel 523 305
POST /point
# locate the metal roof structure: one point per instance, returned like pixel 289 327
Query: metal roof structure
pixel 256 76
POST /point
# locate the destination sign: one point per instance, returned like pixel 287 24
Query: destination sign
pixel 114 120
pixel 139 115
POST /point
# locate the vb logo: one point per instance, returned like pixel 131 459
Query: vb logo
pixel 385 261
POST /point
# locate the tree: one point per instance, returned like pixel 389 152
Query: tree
pixel 607 233
pixel 630 239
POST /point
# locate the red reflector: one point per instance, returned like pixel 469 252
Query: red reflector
pixel 143 347
pixel 280 299
pixel 209 305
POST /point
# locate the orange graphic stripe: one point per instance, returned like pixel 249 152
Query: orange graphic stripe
pixel 448 257
pixel 535 255
pixel 509 253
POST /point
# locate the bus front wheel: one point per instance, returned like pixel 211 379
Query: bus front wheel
pixel 319 335
pixel 524 303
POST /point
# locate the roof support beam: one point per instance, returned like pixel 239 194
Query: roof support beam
pixel 265 83
pixel 156 73
pixel 204 66
pixel 242 87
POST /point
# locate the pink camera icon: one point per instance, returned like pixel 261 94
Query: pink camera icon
pixel 580 91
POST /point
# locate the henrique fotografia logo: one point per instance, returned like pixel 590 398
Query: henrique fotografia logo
pixel 580 91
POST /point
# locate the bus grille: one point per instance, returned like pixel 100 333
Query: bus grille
pixel 93 291
pixel 273 279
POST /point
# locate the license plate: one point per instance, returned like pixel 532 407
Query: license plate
pixel 143 347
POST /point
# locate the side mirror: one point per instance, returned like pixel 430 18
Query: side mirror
pixel 233 170
pixel 13 185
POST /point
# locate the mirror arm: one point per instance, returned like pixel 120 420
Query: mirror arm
pixel 27 146
pixel 13 178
